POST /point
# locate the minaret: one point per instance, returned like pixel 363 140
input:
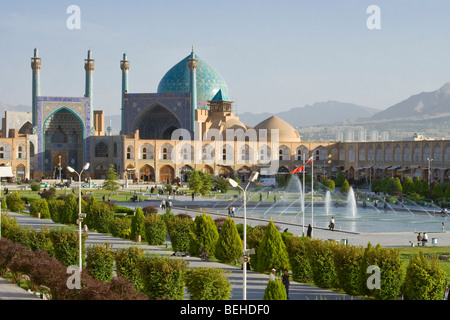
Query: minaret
pixel 193 64
pixel 89 66
pixel 36 67
pixel 124 66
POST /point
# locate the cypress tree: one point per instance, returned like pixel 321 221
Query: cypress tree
pixel 205 234
pixel 138 224
pixel 272 251
pixel 229 245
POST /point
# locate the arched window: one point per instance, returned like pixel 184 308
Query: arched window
pixel 284 153
pixel 130 154
pixel 351 154
pixel 101 150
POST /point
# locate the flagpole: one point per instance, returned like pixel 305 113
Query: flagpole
pixel 303 195
pixel 312 196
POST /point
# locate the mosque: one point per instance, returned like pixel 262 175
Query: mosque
pixel 187 124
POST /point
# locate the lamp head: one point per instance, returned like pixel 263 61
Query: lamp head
pixel 232 182
pixel 86 166
pixel 70 169
pixel 254 176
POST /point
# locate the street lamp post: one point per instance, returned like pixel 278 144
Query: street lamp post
pixel 233 183
pixel 80 217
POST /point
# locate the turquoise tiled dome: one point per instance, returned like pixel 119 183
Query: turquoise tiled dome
pixel 209 81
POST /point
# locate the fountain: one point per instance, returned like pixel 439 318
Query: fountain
pixel 351 203
pixel 327 202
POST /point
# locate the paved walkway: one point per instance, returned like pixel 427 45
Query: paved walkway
pixel 256 282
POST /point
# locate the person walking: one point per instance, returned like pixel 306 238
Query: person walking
pixel 424 239
pixel 272 275
pixel 309 231
pixel 233 211
pixel 285 281
pixel 331 225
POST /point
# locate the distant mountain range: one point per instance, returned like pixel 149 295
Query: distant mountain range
pixel 420 106
pixel 320 113
pixel 425 105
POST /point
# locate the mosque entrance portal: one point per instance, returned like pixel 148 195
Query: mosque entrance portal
pixel 63 136
pixel 157 123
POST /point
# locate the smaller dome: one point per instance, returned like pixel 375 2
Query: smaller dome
pixel 234 123
pixel 286 132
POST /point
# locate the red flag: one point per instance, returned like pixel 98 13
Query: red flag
pixel 300 169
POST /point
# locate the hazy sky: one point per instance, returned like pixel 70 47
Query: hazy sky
pixel 274 55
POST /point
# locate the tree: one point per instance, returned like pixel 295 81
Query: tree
pixel 408 185
pixel 222 185
pixel 272 251
pixel 329 184
pixel 229 245
pixel 195 181
pixel 138 224
pixel 339 179
pixel 424 280
pixel 393 186
pixel 111 183
pixel 200 182
pixel 204 234
pixel 179 230
pixel 345 187
pixel 155 229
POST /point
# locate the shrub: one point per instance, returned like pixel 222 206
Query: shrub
pixel 126 261
pixel 149 210
pixel 39 240
pixel 272 251
pixel 138 224
pixel 179 230
pixel 40 206
pixel 347 262
pixel 35 186
pixel 48 194
pixel 229 245
pixel 163 278
pixel 155 229
pixel 69 211
pixel 208 284
pixel 54 207
pixel 120 227
pixel 100 261
pixel 320 255
pixel 204 234
pixel 424 280
pixel 275 290
pixel 14 202
pixel 100 217
pixel 254 237
pixel 65 243
pixel 387 260
pixel 298 259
